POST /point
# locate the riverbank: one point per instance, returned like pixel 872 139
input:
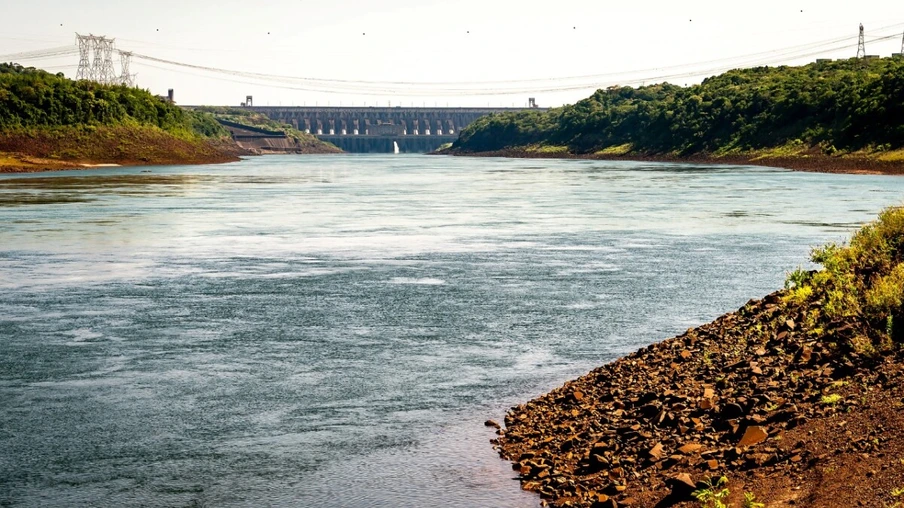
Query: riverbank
pixel 837 116
pixel 84 147
pixel 795 400
pixel 810 161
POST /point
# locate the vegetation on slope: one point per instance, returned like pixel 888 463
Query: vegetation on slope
pixel 842 106
pixel 48 115
pixel 861 285
pixel 34 98
pixel 125 144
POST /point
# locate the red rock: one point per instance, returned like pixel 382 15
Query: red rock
pixel 685 479
pixel 607 503
pixel 681 483
pixel 753 435
pixel 656 452
pixel 690 448
pixel 492 423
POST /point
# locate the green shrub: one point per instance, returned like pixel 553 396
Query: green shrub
pixel 843 106
pixel 714 494
pixel 31 98
pixel 887 293
pixel 861 283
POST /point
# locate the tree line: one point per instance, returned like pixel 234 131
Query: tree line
pixel 841 105
pixel 33 98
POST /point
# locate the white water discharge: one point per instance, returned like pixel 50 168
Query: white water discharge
pixel 334 330
pixel 395 147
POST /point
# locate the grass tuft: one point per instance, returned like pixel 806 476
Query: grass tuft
pixel 616 150
pixel 831 399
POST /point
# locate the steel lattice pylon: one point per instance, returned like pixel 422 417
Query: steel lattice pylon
pixel 125 60
pixel 84 62
pixel 96 61
pixel 109 72
pixel 861 44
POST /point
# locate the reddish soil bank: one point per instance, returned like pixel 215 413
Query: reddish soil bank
pixel 76 148
pixel 815 163
pixel 753 396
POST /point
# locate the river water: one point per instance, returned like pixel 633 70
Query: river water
pixel 333 331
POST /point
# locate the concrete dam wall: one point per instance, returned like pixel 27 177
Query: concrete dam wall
pixel 374 129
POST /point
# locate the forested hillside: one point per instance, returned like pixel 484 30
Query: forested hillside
pixel 34 98
pixel 51 122
pixel 840 106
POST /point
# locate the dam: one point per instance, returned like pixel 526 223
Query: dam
pixel 374 129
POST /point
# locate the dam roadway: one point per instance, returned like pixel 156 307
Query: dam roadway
pixel 374 129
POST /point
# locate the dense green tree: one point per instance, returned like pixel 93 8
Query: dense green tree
pixel 848 104
pixel 34 98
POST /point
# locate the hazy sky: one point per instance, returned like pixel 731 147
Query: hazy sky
pixel 439 41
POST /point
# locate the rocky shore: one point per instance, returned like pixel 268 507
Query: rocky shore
pixel 813 163
pixel 789 401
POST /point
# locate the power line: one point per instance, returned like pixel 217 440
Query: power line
pixel 40 54
pixel 498 92
pixel 373 89
pixel 361 83
pixel 96 61
pixel 473 88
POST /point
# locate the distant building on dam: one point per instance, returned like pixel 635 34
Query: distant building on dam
pixel 374 129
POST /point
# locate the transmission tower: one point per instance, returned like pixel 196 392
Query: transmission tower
pixel 84 62
pixel 97 62
pixel 125 59
pixel 902 46
pixel 108 72
pixel 861 44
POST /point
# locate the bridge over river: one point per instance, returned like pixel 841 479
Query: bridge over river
pixel 374 129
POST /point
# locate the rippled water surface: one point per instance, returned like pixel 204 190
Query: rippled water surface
pixel 333 331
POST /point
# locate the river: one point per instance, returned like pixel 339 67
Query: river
pixel 334 330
